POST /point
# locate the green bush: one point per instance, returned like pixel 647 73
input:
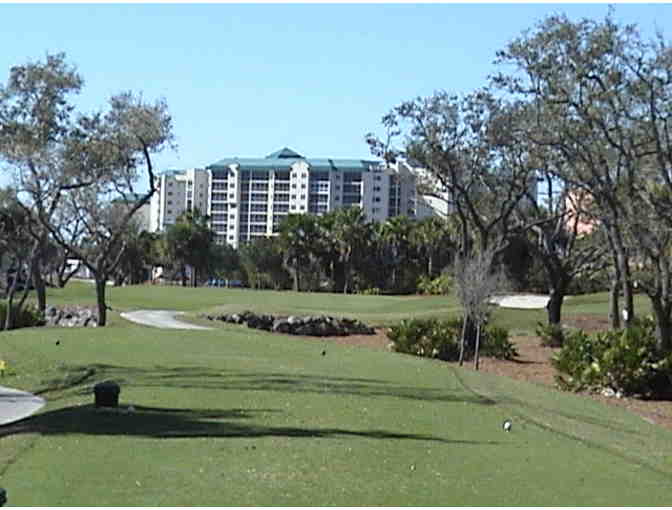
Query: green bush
pixel 438 286
pixel 626 360
pixel 372 291
pixel 433 338
pixel 551 335
pixel 430 338
pixel 28 317
pixel 497 344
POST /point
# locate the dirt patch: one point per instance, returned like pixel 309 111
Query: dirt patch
pixel 533 365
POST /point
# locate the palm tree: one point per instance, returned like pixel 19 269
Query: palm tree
pixel 351 232
pixel 396 233
pixel 298 238
pixel 433 237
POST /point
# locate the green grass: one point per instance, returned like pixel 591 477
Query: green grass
pixel 237 417
pixel 376 310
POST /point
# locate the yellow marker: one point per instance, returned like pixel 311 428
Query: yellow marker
pixel 3 366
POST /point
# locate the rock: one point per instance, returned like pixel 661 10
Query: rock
pixel 70 316
pixel 312 325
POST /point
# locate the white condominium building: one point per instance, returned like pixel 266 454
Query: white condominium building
pixel 247 198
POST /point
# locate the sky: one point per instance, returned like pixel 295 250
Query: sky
pixel 248 79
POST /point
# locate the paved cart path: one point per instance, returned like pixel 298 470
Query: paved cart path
pixel 16 405
pixel 160 319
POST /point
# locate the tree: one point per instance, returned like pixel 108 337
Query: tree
pixel 138 257
pixel 351 234
pixel 189 241
pixel 434 240
pixel 575 80
pixel 298 238
pixel 462 143
pixel 396 233
pixel 89 162
pixel 603 97
pixel 477 282
pixel 264 264
pixel 18 248
pixel 35 120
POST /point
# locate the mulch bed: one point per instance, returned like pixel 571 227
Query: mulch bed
pixel 533 365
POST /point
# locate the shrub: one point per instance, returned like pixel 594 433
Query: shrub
pixel 430 338
pixel 372 291
pixel 440 285
pixel 551 335
pixel 497 344
pixel 433 338
pixel 27 317
pixel 626 360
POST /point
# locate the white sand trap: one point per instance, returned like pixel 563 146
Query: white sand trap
pixel 159 319
pixel 528 301
pixel 16 405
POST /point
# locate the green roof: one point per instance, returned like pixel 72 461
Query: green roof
pixel 284 153
pixel 285 157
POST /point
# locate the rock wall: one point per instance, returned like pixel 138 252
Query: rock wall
pixel 320 325
pixel 71 316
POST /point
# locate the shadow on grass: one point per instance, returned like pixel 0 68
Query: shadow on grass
pixel 166 423
pixel 79 380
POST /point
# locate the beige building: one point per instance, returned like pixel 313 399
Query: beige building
pixel 247 198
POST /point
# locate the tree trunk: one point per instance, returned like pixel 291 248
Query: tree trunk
pixel 462 340
pixel 554 305
pixel 477 347
pixel 661 311
pixel 184 275
pixel 295 275
pixel 614 301
pixel 101 283
pixel 429 266
pixel 9 311
pixel 626 279
pixel 38 283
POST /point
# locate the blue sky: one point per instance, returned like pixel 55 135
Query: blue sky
pixel 246 80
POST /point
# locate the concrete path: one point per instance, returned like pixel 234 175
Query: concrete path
pixel 159 319
pixel 528 301
pixel 16 405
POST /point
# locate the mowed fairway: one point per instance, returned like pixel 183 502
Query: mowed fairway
pixel 236 417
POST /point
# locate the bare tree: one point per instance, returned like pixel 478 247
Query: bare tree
pixel 477 282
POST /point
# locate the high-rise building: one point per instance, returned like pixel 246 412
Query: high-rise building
pixel 247 198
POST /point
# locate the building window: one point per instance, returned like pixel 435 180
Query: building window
pixel 294 186
pixel 170 193
pixel 377 177
pixel 232 195
pixel 232 185
pixel 232 227
pixel 170 211
pixel 376 188
pixel 376 199
pixel 170 202
pixel 303 185
pixel 303 197
pixel 302 208
pixel 232 216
